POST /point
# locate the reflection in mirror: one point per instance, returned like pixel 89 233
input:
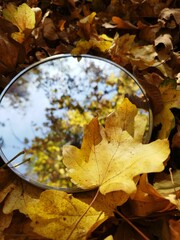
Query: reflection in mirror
pixel 47 105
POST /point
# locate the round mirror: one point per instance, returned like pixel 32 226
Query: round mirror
pixel 47 105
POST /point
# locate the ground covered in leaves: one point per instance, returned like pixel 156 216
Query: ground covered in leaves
pixel 135 202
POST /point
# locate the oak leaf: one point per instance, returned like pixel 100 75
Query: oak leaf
pixel 115 161
pixel 55 214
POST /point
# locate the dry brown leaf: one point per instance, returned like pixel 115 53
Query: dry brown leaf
pixel 87 26
pixel 174 226
pixel 120 23
pixel 169 188
pixel 152 91
pixel 121 47
pixel 147 200
pixel 166 17
pixel 164 46
pixel 148 32
pixel 143 56
pixel 9 52
pixel 20 229
pixel 49 30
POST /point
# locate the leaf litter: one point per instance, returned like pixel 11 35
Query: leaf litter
pixel 147 46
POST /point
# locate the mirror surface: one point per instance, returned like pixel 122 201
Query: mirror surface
pixel 47 105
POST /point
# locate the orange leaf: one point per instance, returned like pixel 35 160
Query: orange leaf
pixel 120 23
pixel 147 200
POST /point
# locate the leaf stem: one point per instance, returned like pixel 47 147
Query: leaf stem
pixel 78 221
pixel 132 225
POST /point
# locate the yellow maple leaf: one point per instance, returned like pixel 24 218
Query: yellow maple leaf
pixel 116 159
pixel 23 17
pixel 171 99
pixel 56 213
pixel 102 42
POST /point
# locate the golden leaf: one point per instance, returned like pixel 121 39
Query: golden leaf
pixel 106 203
pixel 55 214
pixel 171 99
pixel 115 161
pixel 23 17
pixel 19 197
pixel 5 220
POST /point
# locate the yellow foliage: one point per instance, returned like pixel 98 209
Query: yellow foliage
pixel 55 214
pixel 22 17
pixel 116 159
pixel 171 99
pixel 103 43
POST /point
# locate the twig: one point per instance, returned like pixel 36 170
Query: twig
pixel 132 225
pixel 78 221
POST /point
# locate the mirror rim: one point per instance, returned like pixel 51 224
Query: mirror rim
pixel 54 57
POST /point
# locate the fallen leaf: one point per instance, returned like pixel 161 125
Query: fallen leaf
pixel 49 30
pixel 143 56
pixel 55 214
pixel 174 226
pixel 87 28
pixel 115 161
pixel 166 16
pixel 120 23
pixel 5 222
pixel 120 48
pixel 9 53
pixel 102 43
pixel 20 229
pixel 7 183
pixel 170 188
pixel 23 17
pixel 164 46
pixel 105 203
pixel 148 32
pixel 152 91
pixel 171 99
pixel 19 197
pixel 147 200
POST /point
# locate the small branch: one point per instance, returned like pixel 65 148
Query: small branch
pixel 132 225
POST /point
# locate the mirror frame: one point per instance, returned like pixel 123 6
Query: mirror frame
pixel 29 179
